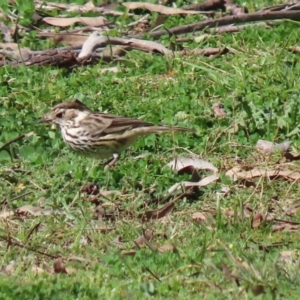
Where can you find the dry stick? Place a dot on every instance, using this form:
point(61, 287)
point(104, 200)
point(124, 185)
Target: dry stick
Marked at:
point(278, 7)
point(222, 29)
point(155, 276)
point(12, 242)
point(20, 196)
point(17, 170)
point(144, 18)
point(257, 16)
point(12, 141)
point(94, 41)
point(211, 5)
point(232, 28)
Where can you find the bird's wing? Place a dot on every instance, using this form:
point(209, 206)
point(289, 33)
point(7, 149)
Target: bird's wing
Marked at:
point(102, 124)
point(119, 124)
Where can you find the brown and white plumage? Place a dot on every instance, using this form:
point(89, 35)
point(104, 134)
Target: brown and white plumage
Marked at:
point(97, 134)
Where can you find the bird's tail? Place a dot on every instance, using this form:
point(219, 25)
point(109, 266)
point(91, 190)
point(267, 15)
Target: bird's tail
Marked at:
point(158, 129)
point(170, 128)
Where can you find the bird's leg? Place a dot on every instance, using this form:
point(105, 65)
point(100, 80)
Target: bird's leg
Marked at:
point(112, 161)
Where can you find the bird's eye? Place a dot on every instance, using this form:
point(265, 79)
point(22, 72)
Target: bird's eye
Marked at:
point(60, 115)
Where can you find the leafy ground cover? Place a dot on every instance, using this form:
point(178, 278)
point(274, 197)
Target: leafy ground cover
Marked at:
point(71, 230)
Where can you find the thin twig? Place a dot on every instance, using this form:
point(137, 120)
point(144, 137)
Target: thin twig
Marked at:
point(20, 196)
point(36, 185)
point(17, 170)
point(14, 243)
point(29, 134)
point(138, 21)
point(227, 20)
point(12, 141)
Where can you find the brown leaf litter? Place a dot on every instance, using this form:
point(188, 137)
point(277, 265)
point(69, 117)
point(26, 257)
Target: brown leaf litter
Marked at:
point(87, 21)
point(159, 8)
point(268, 147)
point(238, 172)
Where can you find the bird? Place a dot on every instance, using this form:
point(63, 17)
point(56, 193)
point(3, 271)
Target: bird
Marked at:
point(99, 135)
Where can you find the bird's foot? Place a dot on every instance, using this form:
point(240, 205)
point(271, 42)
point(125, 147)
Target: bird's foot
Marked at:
point(111, 161)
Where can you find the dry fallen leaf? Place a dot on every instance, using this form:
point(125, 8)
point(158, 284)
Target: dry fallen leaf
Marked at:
point(285, 227)
point(268, 147)
point(182, 162)
point(257, 220)
point(187, 184)
point(238, 172)
point(147, 236)
point(159, 8)
point(158, 213)
point(87, 21)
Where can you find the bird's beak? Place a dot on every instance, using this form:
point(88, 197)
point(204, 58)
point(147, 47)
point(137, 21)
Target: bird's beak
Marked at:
point(45, 119)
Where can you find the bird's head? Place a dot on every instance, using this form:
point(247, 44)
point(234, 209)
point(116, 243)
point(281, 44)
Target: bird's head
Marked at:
point(66, 113)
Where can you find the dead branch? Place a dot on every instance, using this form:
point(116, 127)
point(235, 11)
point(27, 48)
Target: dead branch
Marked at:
point(230, 29)
point(161, 9)
point(90, 52)
point(94, 41)
point(207, 5)
point(283, 6)
point(64, 58)
point(67, 58)
point(254, 17)
point(13, 242)
point(237, 28)
point(20, 196)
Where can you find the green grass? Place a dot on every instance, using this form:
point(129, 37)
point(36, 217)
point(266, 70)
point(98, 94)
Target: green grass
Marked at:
point(259, 85)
